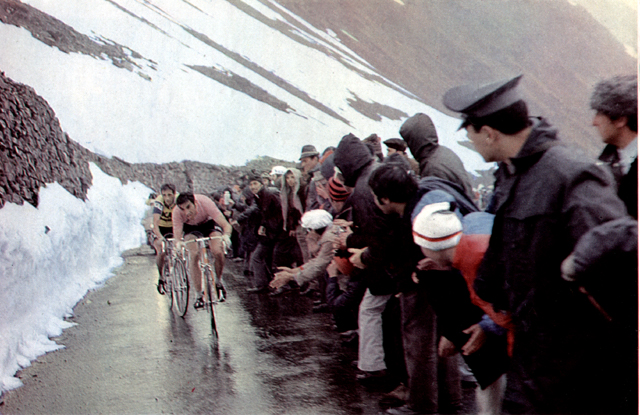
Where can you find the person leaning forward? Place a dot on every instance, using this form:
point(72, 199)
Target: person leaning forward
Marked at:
point(546, 197)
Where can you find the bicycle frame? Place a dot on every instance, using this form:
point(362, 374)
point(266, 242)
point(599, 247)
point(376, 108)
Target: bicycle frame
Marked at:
point(208, 276)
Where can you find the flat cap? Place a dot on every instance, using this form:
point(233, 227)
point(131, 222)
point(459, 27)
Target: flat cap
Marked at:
point(481, 100)
point(308, 151)
point(396, 144)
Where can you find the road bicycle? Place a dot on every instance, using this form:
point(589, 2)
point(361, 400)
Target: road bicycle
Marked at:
point(209, 281)
point(174, 273)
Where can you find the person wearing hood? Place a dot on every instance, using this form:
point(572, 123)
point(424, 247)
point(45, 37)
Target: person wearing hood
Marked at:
point(567, 357)
point(435, 160)
point(292, 201)
point(370, 226)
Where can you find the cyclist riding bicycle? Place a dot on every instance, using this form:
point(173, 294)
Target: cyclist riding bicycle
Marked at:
point(199, 214)
point(163, 225)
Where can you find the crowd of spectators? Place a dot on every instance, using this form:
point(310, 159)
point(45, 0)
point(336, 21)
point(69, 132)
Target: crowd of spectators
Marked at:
point(528, 285)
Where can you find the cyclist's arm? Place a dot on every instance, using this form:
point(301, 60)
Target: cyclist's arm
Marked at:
point(156, 225)
point(217, 216)
point(178, 222)
point(157, 211)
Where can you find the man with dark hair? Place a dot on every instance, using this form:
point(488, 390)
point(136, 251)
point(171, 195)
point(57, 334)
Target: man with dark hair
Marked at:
point(267, 210)
point(163, 225)
point(310, 163)
point(196, 215)
point(370, 227)
point(615, 101)
point(567, 358)
point(398, 194)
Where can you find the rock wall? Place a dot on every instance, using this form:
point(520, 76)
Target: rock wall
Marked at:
point(35, 151)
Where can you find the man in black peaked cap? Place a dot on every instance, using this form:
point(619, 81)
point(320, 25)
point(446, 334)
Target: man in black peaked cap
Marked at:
point(567, 357)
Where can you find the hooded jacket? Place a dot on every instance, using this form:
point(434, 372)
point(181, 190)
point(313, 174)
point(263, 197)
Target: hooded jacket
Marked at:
point(435, 160)
point(291, 214)
point(370, 225)
point(545, 200)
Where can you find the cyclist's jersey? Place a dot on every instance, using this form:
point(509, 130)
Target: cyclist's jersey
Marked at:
point(165, 212)
point(206, 210)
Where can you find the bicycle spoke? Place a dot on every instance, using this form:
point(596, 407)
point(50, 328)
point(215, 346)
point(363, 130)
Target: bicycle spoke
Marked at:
point(180, 287)
point(211, 295)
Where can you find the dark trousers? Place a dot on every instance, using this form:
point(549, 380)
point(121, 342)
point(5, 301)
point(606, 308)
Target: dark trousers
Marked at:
point(420, 341)
point(261, 264)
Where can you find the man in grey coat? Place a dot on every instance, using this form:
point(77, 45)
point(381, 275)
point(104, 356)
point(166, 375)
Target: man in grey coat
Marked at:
point(435, 160)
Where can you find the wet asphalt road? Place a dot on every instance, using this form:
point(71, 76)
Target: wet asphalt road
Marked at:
point(128, 353)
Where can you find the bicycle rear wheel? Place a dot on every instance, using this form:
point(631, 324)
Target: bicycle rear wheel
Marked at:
point(180, 287)
point(211, 296)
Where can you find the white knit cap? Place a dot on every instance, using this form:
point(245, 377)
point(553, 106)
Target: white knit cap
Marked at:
point(436, 227)
point(316, 219)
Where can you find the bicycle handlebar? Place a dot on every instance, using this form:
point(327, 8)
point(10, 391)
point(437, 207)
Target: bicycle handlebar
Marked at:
point(208, 238)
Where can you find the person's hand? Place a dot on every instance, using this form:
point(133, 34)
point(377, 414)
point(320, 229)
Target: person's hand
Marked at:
point(282, 277)
point(292, 233)
point(332, 269)
point(226, 240)
point(446, 348)
point(428, 264)
point(342, 223)
point(415, 278)
point(262, 231)
point(356, 258)
point(342, 237)
point(475, 342)
point(568, 268)
point(181, 245)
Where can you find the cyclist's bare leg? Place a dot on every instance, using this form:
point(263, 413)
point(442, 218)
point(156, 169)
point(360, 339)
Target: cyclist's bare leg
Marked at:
point(194, 267)
point(161, 255)
point(217, 249)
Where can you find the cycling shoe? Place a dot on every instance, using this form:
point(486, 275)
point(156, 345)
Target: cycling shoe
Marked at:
point(222, 293)
point(161, 287)
point(199, 303)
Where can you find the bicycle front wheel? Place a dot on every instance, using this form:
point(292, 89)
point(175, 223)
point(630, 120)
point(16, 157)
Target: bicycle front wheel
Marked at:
point(180, 287)
point(211, 295)
point(168, 281)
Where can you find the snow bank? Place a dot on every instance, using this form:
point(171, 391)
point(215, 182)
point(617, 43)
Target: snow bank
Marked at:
point(50, 257)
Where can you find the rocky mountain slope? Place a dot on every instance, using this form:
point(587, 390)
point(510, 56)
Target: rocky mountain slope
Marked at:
point(430, 46)
point(424, 47)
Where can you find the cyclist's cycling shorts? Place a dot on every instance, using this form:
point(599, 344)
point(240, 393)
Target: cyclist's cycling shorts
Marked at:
point(165, 230)
point(203, 229)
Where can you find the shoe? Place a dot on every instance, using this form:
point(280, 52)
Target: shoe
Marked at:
point(278, 292)
point(395, 398)
point(257, 290)
point(402, 410)
point(222, 293)
point(309, 292)
point(321, 308)
point(161, 288)
point(377, 378)
point(199, 303)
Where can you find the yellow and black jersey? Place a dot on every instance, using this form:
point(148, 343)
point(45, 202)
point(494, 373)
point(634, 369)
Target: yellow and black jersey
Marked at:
point(165, 211)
